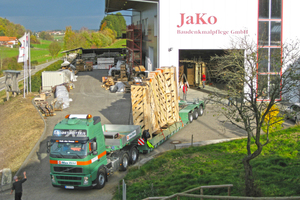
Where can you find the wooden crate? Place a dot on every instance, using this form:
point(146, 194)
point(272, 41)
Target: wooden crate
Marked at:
point(155, 102)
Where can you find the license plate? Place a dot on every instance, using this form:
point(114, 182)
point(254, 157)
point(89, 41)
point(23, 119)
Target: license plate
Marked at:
point(69, 187)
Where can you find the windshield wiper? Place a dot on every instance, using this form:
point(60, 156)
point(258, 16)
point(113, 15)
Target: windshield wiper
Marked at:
point(61, 156)
point(75, 154)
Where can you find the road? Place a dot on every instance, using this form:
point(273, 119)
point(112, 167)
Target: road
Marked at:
point(21, 76)
point(114, 108)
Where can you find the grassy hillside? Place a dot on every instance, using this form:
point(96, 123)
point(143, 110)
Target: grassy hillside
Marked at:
point(276, 170)
point(121, 43)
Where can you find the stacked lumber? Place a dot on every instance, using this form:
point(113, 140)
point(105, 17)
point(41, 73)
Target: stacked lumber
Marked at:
point(155, 102)
point(43, 105)
point(108, 82)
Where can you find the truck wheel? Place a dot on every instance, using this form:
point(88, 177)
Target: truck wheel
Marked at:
point(196, 113)
point(191, 118)
point(124, 162)
point(200, 111)
point(101, 179)
point(134, 155)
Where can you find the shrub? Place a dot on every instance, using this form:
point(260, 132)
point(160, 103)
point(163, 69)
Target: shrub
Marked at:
point(36, 80)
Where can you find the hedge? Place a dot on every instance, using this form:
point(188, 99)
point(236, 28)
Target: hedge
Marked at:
point(36, 79)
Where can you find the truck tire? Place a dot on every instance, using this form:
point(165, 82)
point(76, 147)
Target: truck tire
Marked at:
point(196, 113)
point(124, 161)
point(200, 111)
point(133, 155)
point(191, 118)
point(101, 177)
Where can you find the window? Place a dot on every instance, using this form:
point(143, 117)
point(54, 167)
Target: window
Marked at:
point(263, 33)
point(146, 26)
point(155, 26)
point(275, 33)
point(263, 64)
point(264, 9)
point(269, 50)
point(143, 25)
point(275, 60)
point(276, 9)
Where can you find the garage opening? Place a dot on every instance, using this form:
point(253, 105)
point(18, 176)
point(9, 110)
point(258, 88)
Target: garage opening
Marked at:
point(193, 63)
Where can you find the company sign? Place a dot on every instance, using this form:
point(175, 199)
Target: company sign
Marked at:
point(61, 162)
point(69, 133)
point(199, 18)
point(203, 24)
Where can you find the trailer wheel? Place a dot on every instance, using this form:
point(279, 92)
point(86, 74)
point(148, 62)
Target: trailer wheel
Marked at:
point(134, 155)
point(191, 118)
point(124, 162)
point(200, 111)
point(196, 113)
point(101, 178)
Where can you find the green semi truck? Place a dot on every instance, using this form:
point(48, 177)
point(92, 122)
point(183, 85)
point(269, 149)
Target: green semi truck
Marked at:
point(84, 153)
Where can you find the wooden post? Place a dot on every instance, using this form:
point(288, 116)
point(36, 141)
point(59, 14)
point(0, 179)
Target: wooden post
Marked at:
point(228, 190)
point(201, 192)
point(192, 140)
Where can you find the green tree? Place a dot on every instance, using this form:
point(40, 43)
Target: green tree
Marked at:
point(34, 40)
point(114, 22)
point(10, 29)
point(254, 95)
point(46, 36)
point(87, 37)
point(54, 48)
point(69, 35)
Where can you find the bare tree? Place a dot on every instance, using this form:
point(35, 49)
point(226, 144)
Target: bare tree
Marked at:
point(257, 79)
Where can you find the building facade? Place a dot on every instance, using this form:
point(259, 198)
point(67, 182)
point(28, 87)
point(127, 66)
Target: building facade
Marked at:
point(200, 28)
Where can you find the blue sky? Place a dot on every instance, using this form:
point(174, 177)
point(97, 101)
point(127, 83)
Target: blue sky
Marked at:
point(42, 15)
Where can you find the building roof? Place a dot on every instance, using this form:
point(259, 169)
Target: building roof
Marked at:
point(6, 38)
point(117, 5)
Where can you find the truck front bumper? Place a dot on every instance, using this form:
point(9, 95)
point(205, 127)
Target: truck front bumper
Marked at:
point(72, 181)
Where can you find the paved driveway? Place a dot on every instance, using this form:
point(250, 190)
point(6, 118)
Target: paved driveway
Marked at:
point(89, 97)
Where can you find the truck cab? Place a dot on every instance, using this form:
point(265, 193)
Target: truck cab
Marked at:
point(83, 153)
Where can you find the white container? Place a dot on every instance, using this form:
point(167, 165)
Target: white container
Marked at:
point(52, 78)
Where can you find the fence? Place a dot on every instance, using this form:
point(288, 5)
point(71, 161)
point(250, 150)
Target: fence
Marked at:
point(195, 196)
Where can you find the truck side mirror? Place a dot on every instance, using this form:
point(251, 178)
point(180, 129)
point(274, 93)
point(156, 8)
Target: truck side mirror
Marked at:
point(48, 146)
point(94, 146)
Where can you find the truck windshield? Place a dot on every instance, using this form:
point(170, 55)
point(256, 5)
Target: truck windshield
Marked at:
point(68, 150)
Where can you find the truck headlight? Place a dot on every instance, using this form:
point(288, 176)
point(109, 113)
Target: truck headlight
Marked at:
point(85, 180)
point(52, 179)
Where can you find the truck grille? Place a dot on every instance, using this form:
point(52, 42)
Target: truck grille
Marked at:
point(68, 177)
point(68, 183)
point(68, 169)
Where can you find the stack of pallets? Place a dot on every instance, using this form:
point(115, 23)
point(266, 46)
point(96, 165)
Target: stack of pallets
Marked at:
point(155, 101)
point(123, 74)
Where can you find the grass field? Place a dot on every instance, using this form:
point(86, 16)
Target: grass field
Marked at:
point(39, 52)
point(276, 170)
point(121, 43)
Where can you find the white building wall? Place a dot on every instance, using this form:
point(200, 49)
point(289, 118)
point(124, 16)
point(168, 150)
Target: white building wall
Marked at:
point(181, 28)
point(291, 28)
